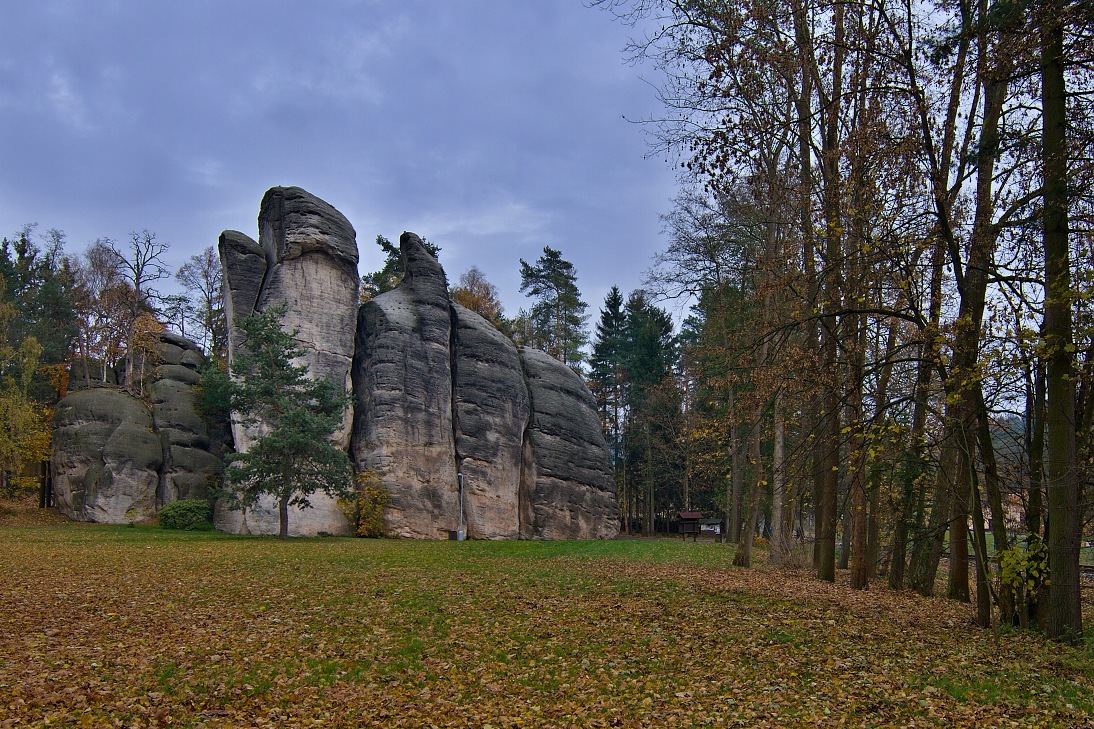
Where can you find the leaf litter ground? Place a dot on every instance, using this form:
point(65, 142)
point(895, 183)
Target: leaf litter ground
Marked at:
point(109, 626)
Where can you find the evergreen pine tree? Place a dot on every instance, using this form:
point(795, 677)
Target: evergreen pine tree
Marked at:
point(558, 315)
point(294, 457)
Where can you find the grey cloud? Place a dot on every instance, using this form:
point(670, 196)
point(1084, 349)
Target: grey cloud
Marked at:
point(496, 123)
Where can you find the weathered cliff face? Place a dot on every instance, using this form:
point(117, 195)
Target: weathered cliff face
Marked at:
point(116, 458)
point(492, 411)
point(311, 254)
point(243, 265)
point(188, 465)
point(570, 476)
point(305, 260)
point(440, 393)
point(402, 383)
point(106, 457)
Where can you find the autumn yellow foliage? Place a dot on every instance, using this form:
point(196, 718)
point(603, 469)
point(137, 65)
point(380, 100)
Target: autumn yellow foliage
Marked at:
point(25, 429)
point(365, 507)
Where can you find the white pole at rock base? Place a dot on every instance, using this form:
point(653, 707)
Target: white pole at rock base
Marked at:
point(461, 532)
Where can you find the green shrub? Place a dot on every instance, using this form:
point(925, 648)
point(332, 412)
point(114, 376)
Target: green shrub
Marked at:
point(365, 508)
point(1025, 568)
point(188, 515)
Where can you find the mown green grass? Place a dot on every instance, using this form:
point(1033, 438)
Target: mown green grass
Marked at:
point(152, 628)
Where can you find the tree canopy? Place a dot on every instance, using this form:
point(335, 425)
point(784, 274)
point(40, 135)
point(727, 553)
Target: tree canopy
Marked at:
point(556, 321)
point(480, 296)
point(884, 230)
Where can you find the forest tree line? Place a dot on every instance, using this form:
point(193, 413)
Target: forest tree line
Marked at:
point(78, 320)
point(884, 223)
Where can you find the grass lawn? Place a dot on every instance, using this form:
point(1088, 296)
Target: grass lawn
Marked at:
point(104, 626)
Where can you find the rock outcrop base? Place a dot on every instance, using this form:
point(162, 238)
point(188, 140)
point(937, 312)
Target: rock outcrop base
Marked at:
point(118, 458)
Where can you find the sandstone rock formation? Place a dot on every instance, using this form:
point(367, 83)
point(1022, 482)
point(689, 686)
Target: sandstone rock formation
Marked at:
point(440, 394)
point(492, 411)
point(311, 254)
point(570, 476)
point(116, 459)
point(243, 264)
point(402, 380)
point(106, 457)
point(440, 397)
point(462, 428)
point(188, 465)
point(305, 260)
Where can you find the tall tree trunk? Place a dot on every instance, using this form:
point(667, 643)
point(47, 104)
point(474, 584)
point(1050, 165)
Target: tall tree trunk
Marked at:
point(915, 458)
point(624, 487)
point(743, 557)
point(1035, 418)
point(958, 583)
point(844, 560)
point(780, 541)
point(815, 421)
point(965, 379)
point(1065, 621)
point(860, 504)
point(939, 156)
point(980, 545)
point(857, 288)
point(899, 548)
point(833, 299)
point(856, 455)
point(651, 519)
point(873, 532)
point(881, 400)
point(826, 483)
point(283, 517)
point(928, 549)
point(733, 488)
point(687, 463)
point(995, 504)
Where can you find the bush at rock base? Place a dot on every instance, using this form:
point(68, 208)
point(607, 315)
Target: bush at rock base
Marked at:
point(187, 515)
point(365, 508)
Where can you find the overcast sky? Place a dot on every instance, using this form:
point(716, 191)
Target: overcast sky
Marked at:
point(490, 127)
